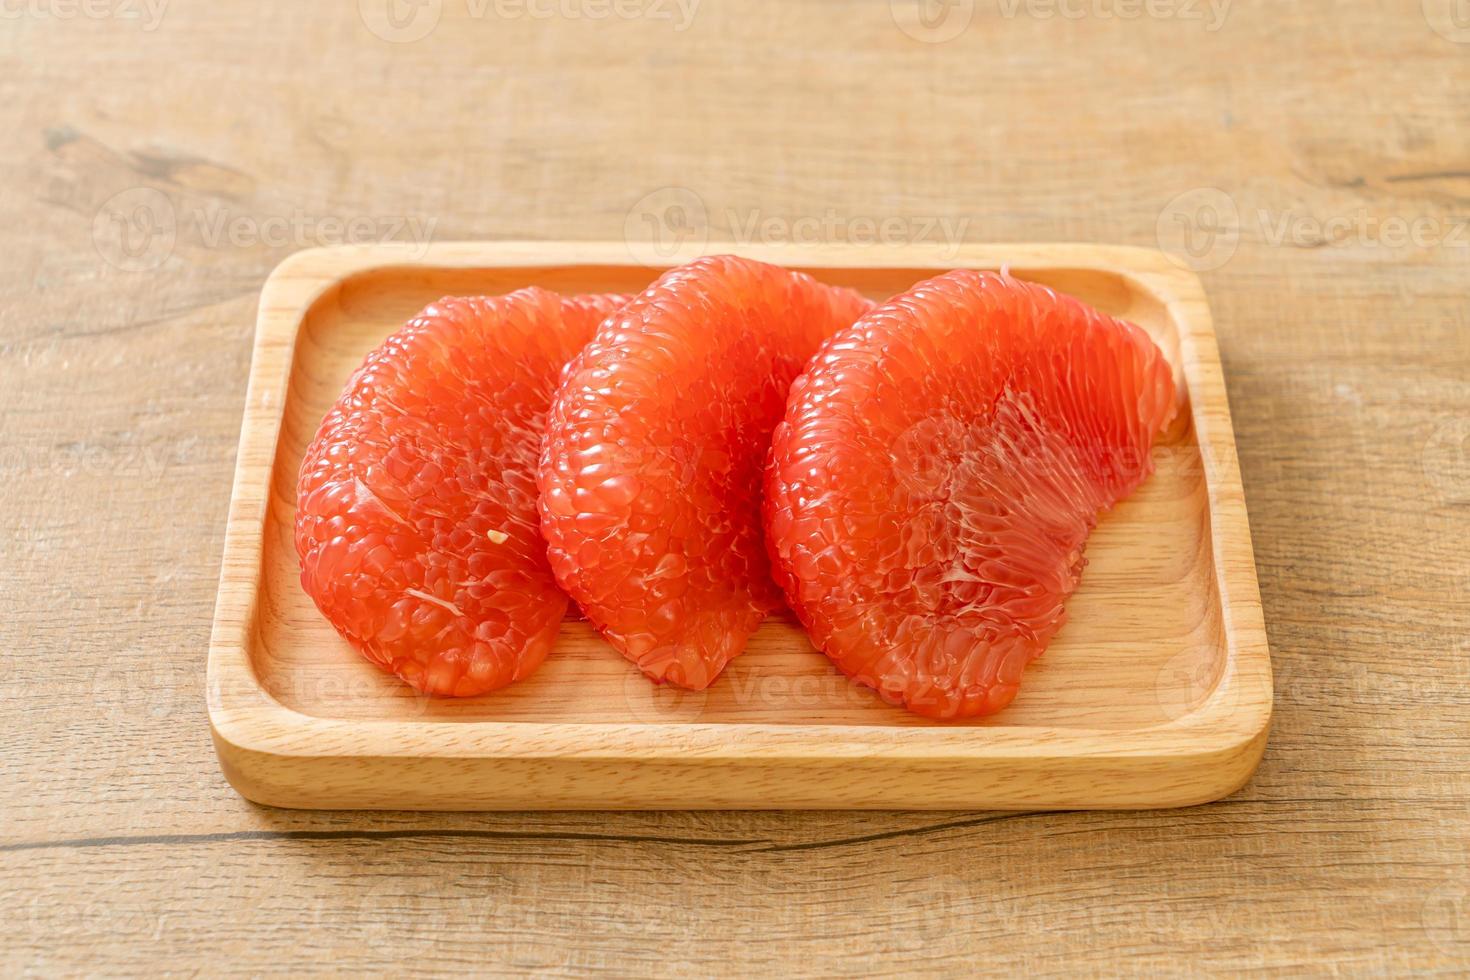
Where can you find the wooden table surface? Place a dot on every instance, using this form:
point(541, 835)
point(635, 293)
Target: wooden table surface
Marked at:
point(1311, 159)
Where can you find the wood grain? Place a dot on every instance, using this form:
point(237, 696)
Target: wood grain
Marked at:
point(1346, 351)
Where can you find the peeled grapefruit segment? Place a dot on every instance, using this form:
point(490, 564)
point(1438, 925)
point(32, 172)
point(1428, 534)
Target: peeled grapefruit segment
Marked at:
point(650, 474)
point(416, 515)
point(940, 466)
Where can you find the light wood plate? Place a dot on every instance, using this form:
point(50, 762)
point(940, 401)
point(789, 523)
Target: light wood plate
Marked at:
point(1156, 693)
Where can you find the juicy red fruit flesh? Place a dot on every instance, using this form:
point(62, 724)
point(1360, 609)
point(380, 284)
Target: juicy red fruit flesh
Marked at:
point(940, 466)
point(650, 476)
point(416, 519)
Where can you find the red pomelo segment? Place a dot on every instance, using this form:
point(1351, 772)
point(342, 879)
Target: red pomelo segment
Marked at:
point(651, 473)
point(941, 464)
point(416, 517)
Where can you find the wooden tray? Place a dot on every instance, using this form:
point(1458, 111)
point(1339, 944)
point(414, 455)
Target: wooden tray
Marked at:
point(1157, 692)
